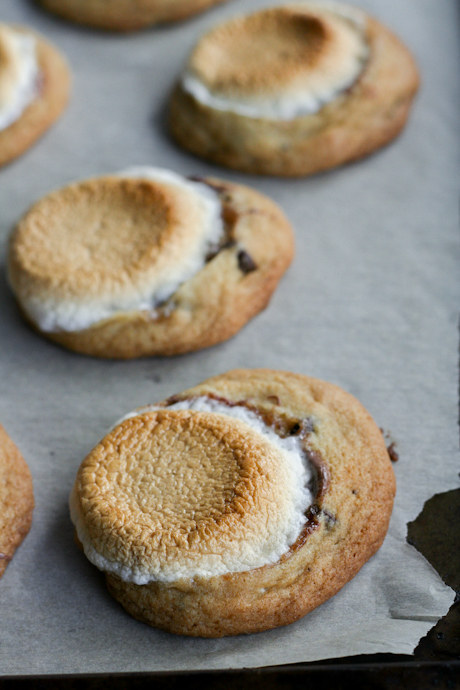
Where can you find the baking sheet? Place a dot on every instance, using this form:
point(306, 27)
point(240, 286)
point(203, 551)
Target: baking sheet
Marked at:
point(370, 303)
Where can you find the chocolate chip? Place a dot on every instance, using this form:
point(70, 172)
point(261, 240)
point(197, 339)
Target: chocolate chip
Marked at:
point(173, 399)
point(329, 518)
point(213, 251)
point(295, 428)
point(313, 510)
point(245, 262)
point(216, 248)
point(219, 188)
point(229, 216)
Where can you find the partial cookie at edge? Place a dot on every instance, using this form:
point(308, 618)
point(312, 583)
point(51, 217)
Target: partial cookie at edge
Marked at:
point(16, 499)
point(45, 109)
point(124, 15)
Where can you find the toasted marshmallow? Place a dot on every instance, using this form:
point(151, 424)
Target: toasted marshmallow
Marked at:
point(19, 73)
point(110, 246)
point(204, 489)
point(280, 63)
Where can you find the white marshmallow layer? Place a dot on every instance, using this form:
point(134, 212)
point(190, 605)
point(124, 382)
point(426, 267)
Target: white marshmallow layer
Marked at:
point(19, 74)
point(56, 314)
point(274, 540)
point(306, 96)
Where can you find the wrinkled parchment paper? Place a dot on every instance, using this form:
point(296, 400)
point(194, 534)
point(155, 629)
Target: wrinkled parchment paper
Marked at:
point(370, 303)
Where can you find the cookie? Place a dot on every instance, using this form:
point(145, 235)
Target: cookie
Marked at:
point(147, 262)
point(126, 15)
point(34, 89)
point(293, 90)
point(236, 506)
point(16, 499)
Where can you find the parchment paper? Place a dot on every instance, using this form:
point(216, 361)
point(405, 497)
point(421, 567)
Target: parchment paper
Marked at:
point(370, 303)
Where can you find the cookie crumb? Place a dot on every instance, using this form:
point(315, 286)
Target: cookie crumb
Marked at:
point(392, 452)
